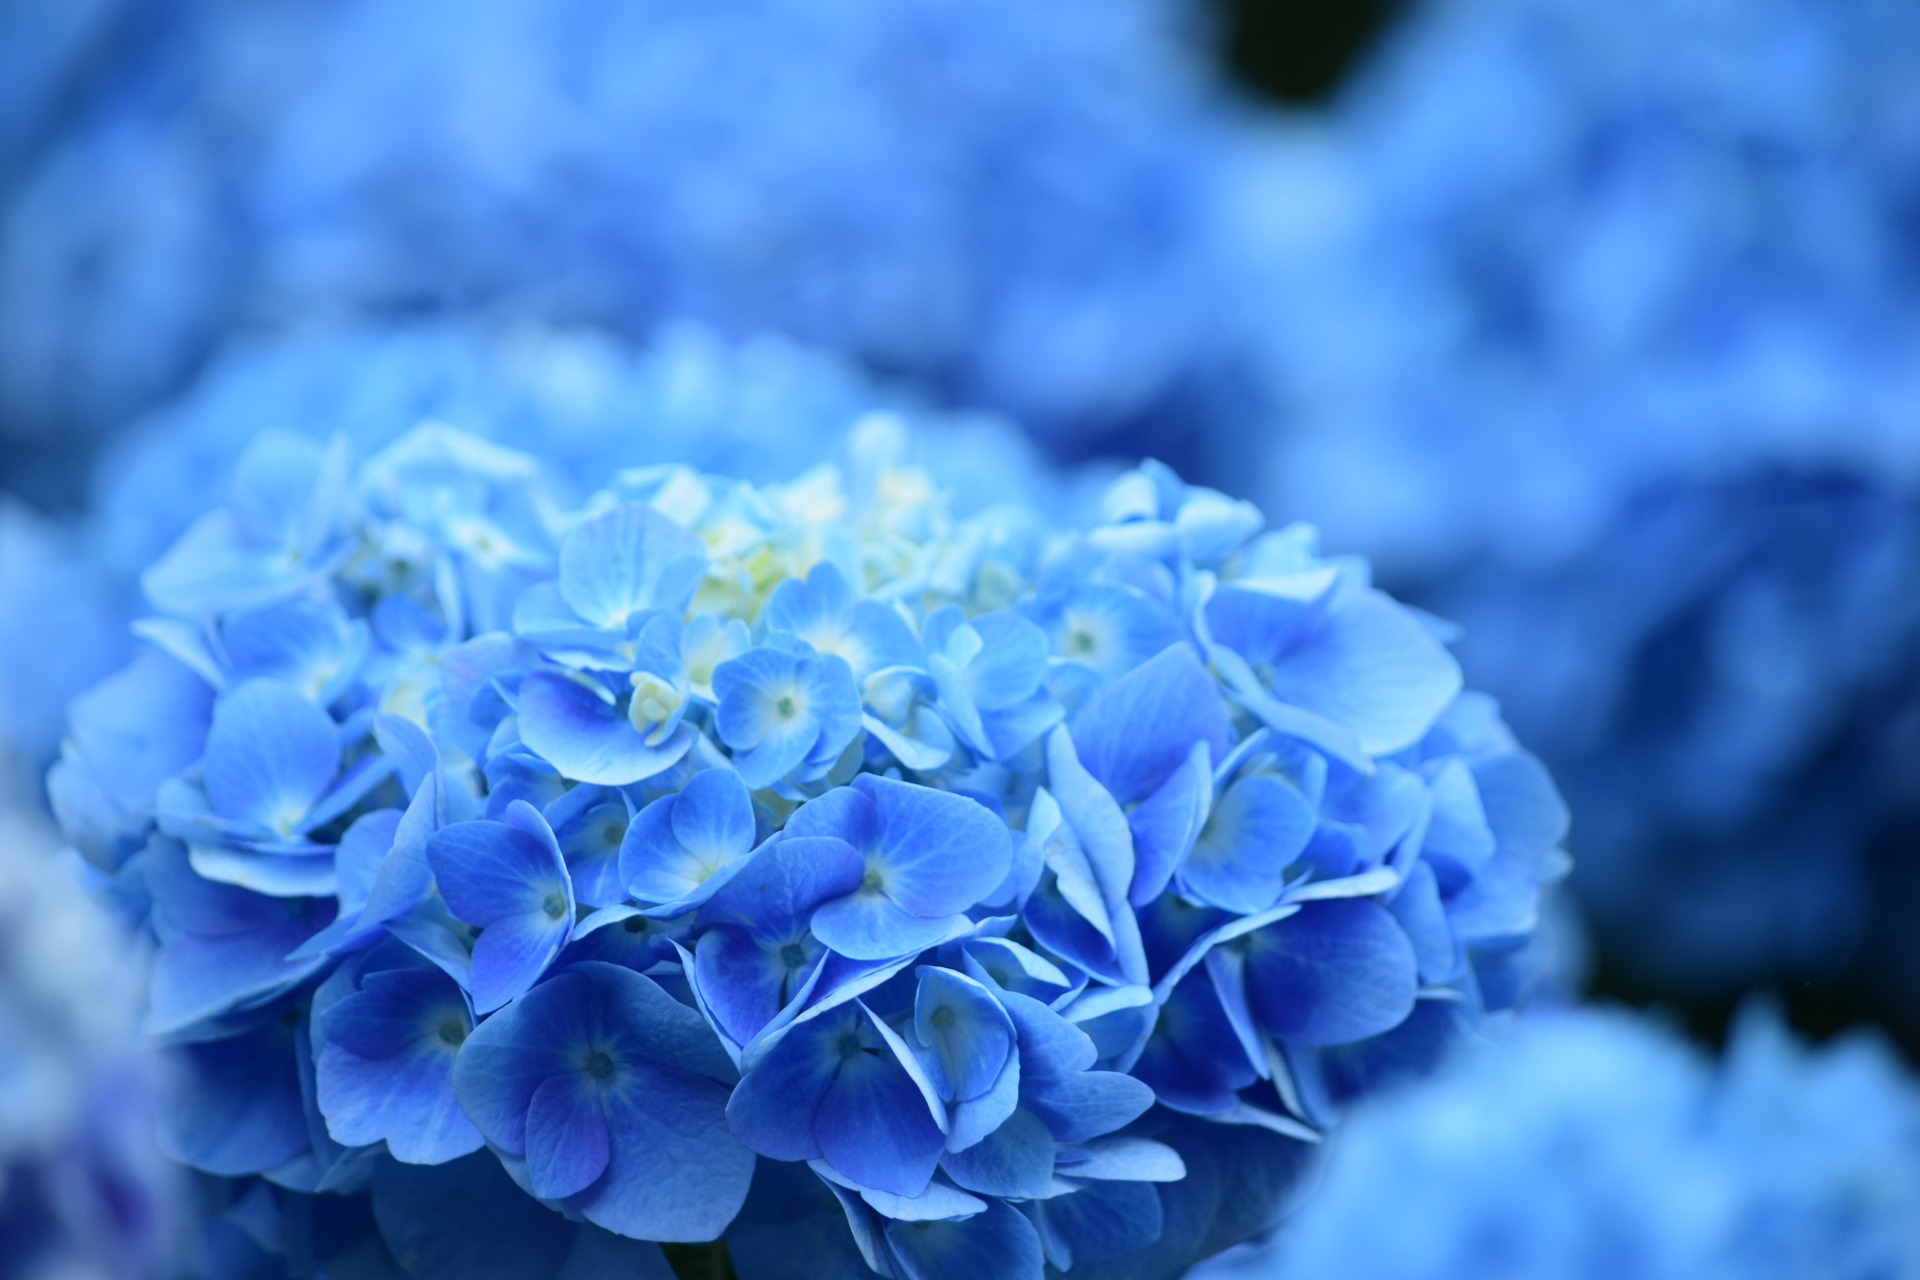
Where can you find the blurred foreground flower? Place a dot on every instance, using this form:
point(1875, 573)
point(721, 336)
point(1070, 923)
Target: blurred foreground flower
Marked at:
point(800, 864)
point(1605, 342)
point(1597, 1144)
point(84, 1192)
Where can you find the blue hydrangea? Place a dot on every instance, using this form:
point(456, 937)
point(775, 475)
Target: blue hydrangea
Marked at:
point(589, 403)
point(1596, 1143)
point(876, 888)
point(86, 1191)
point(1025, 206)
point(1646, 277)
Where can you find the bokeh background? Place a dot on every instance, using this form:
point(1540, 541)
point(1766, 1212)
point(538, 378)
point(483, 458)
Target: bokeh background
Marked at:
point(1597, 327)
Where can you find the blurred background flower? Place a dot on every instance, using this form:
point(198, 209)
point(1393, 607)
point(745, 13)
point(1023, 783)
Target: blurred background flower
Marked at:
point(1598, 1143)
point(1598, 327)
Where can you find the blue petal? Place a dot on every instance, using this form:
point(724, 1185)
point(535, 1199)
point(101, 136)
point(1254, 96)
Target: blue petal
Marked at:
point(1194, 1060)
point(1252, 835)
point(937, 853)
point(270, 755)
point(306, 644)
point(1088, 1104)
point(1372, 667)
point(1133, 734)
point(680, 843)
point(676, 1172)
point(772, 1109)
point(1337, 971)
point(590, 831)
point(776, 892)
point(967, 1032)
point(407, 1102)
point(489, 870)
point(1011, 662)
point(744, 982)
point(466, 1220)
point(1104, 1219)
point(510, 955)
point(222, 947)
point(567, 1140)
point(1166, 824)
point(586, 737)
point(868, 925)
point(396, 1011)
point(873, 1124)
point(629, 559)
point(235, 1106)
point(998, 1243)
point(1016, 1159)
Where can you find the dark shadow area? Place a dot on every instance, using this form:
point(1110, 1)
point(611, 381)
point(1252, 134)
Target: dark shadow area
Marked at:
point(1298, 51)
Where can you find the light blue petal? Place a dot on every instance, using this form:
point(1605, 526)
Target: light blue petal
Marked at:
point(628, 559)
point(1372, 667)
point(1252, 835)
point(868, 925)
point(938, 853)
point(270, 755)
point(1133, 734)
point(586, 737)
point(1011, 662)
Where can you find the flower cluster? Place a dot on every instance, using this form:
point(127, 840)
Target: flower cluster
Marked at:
point(1598, 1144)
point(1575, 256)
point(802, 862)
point(83, 1191)
point(591, 404)
point(1024, 206)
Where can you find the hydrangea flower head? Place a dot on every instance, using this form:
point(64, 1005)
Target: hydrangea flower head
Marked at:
point(805, 865)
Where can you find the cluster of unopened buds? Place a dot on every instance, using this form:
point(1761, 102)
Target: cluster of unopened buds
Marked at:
point(942, 880)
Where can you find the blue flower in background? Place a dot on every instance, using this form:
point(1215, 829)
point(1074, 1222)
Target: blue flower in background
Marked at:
point(1607, 354)
point(1595, 1141)
point(772, 864)
point(1030, 210)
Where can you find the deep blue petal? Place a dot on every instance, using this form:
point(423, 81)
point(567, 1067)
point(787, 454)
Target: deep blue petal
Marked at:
point(1337, 971)
point(998, 1243)
point(1016, 1159)
point(873, 1125)
point(567, 1139)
